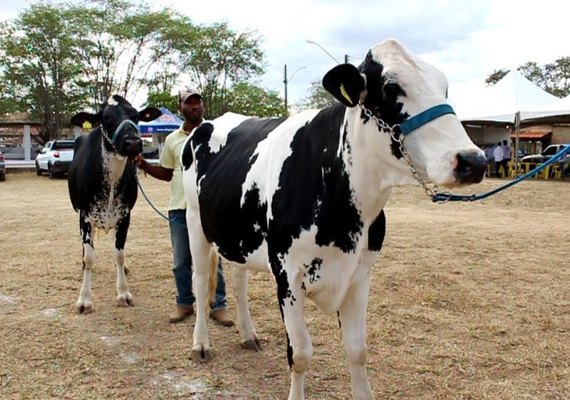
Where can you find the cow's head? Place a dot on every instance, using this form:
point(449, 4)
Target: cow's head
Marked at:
point(391, 87)
point(118, 121)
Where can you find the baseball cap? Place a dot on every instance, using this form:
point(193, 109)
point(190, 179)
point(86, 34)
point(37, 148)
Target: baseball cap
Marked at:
point(186, 92)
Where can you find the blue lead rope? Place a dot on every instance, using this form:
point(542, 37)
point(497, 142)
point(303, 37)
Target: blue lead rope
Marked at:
point(444, 197)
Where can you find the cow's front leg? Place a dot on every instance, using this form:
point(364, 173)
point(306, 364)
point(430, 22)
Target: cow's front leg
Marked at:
point(124, 297)
point(249, 339)
point(352, 319)
point(299, 347)
point(84, 304)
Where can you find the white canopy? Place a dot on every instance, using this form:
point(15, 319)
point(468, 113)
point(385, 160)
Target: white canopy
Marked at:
point(500, 102)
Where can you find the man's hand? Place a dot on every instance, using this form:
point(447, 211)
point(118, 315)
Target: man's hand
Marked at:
point(141, 163)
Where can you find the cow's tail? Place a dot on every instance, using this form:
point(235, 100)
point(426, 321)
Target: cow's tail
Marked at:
point(213, 281)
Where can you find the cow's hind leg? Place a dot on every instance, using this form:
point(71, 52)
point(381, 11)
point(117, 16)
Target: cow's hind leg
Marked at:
point(249, 339)
point(352, 318)
point(203, 265)
point(84, 304)
point(124, 297)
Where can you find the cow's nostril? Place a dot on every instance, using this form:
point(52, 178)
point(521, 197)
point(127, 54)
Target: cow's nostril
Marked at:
point(471, 167)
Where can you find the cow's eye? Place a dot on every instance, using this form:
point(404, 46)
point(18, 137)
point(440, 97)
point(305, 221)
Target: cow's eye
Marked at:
point(392, 89)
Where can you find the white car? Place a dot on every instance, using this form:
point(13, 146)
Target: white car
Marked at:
point(55, 157)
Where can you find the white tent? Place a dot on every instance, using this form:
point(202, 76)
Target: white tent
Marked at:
point(499, 103)
point(559, 105)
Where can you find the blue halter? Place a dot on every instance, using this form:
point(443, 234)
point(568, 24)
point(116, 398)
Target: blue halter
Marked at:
point(413, 123)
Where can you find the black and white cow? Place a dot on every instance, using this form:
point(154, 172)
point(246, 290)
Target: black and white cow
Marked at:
point(303, 197)
point(103, 187)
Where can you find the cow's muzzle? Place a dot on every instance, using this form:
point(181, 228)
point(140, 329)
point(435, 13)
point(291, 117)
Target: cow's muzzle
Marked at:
point(471, 167)
point(133, 146)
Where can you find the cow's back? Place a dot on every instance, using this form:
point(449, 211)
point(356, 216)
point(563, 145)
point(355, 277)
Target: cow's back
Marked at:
point(274, 177)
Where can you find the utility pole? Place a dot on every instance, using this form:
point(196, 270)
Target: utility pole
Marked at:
point(286, 80)
point(346, 58)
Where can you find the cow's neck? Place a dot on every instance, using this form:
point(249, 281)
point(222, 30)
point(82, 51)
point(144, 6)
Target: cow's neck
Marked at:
point(374, 169)
point(113, 165)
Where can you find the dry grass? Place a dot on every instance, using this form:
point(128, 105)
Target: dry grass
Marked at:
point(469, 301)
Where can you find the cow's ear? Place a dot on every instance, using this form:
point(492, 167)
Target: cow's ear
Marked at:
point(149, 114)
point(81, 118)
point(345, 83)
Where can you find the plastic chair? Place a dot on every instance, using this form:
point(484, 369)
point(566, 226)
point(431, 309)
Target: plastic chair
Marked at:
point(556, 172)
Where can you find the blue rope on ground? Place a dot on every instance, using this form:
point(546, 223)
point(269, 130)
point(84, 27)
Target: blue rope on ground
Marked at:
point(444, 197)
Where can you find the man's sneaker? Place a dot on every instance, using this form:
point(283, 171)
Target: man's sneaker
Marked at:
point(222, 317)
point(181, 313)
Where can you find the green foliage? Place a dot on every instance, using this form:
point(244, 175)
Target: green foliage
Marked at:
point(38, 64)
point(217, 58)
point(318, 97)
point(245, 98)
point(162, 99)
point(496, 76)
point(60, 58)
point(552, 77)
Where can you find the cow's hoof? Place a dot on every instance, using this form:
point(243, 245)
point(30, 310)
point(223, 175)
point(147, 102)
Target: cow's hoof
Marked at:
point(84, 307)
point(202, 355)
point(252, 344)
point(125, 302)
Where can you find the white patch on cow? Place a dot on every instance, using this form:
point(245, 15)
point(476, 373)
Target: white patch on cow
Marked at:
point(111, 209)
point(112, 101)
point(224, 124)
point(271, 153)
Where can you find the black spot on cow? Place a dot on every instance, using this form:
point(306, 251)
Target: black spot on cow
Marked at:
point(314, 187)
point(377, 232)
point(237, 230)
point(312, 270)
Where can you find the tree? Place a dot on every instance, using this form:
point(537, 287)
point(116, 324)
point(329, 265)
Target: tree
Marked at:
point(118, 44)
point(245, 98)
point(216, 58)
point(38, 64)
point(318, 97)
point(496, 76)
point(553, 77)
point(162, 99)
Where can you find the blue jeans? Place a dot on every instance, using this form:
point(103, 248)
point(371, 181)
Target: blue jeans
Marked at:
point(183, 264)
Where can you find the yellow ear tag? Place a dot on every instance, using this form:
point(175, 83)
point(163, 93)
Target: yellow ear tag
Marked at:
point(344, 94)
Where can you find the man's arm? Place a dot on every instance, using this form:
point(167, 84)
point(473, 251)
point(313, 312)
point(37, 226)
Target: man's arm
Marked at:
point(156, 171)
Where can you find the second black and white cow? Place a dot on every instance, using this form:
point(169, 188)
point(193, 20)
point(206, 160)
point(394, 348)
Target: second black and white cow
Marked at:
point(103, 187)
point(303, 197)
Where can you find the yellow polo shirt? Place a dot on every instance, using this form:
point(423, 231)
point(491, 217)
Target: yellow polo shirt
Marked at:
point(170, 158)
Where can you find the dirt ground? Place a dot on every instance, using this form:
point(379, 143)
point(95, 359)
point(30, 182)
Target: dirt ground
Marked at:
point(468, 301)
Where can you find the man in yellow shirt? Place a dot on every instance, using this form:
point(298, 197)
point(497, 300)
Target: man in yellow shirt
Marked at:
point(192, 108)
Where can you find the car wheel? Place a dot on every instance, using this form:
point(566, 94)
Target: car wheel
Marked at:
point(2, 176)
point(38, 170)
point(51, 175)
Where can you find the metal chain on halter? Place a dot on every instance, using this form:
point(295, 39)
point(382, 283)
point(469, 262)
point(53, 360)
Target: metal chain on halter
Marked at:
point(400, 140)
point(108, 139)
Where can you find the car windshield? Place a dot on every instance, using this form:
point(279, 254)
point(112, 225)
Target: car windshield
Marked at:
point(61, 145)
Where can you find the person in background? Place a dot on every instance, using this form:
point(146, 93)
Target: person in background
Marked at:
point(506, 156)
point(170, 169)
point(498, 156)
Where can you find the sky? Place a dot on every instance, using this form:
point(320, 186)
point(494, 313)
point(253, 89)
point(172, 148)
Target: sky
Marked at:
point(466, 42)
